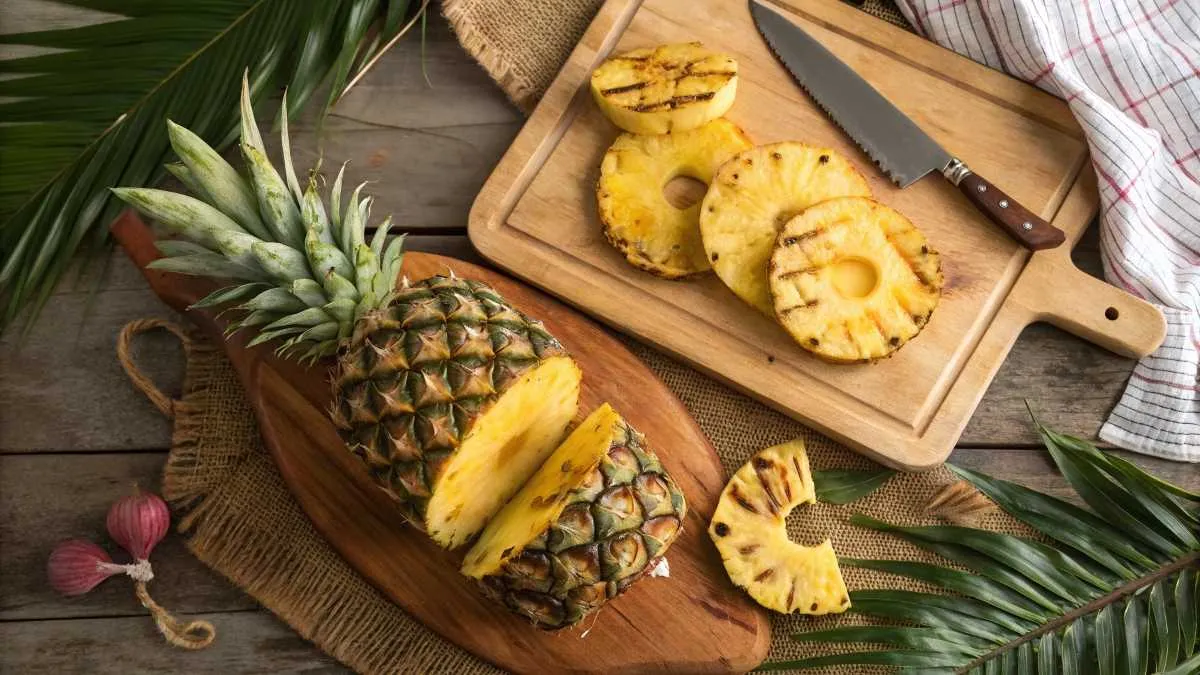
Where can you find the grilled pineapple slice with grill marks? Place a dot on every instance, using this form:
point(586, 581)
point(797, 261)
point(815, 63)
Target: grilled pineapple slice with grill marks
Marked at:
point(593, 520)
point(751, 198)
point(853, 280)
point(664, 89)
point(652, 233)
point(750, 530)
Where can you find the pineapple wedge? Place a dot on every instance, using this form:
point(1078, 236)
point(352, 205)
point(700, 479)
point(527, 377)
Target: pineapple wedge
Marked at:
point(593, 520)
point(653, 234)
point(853, 280)
point(664, 89)
point(750, 530)
point(452, 398)
point(751, 198)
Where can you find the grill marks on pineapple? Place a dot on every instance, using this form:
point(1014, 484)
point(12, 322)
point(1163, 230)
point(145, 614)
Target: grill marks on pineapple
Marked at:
point(841, 325)
point(754, 546)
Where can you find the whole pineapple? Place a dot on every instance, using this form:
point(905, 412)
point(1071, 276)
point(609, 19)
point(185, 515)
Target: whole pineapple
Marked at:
point(593, 520)
point(450, 396)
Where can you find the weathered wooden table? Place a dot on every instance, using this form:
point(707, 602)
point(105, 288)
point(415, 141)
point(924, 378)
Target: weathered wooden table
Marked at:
point(74, 435)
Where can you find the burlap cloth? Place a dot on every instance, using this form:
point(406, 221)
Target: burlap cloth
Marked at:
point(240, 520)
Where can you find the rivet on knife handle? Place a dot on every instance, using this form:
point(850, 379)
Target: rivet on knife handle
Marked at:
point(1019, 222)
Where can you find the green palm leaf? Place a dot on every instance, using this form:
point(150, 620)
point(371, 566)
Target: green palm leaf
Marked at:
point(76, 122)
point(1116, 591)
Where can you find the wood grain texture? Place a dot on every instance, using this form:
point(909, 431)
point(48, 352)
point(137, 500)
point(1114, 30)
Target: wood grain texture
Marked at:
point(247, 642)
point(48, 498)
point(536, 217)
point(725, 630)
point(65, 366)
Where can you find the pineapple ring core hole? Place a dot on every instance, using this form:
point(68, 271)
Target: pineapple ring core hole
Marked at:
point(855, 277)
point(683, 191)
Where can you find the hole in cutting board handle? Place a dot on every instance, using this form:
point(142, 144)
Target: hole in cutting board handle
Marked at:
point(1111, 314)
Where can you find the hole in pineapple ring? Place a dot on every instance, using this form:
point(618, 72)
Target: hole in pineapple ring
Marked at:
point(683, 192)
point(854, 277)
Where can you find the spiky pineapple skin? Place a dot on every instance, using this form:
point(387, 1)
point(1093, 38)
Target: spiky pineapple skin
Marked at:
point(618, 523)
point(417, 374)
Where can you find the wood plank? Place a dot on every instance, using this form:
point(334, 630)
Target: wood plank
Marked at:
point(247, 642)
point(426, 145)
point(61, 388)
point(1032, 467)
point(1071, 383)
point(48, 498)
point(189, 588)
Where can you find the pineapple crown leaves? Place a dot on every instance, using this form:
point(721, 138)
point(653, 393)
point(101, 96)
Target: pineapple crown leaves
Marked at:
point(1113, 587)
point(304, 275)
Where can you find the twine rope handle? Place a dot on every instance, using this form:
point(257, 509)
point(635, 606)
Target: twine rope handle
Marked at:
point(164, 403)
point(192, 635)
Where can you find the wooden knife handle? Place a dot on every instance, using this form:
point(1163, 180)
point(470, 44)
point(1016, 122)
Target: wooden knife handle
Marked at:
point(1019, 222)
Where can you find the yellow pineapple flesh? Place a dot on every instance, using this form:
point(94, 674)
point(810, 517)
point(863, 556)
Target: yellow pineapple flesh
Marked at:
point(750, 530)
point(853, 280)
point(664, 89)
point(652, 233)
point(502, 449)
point(593, 520)
point(751, 198)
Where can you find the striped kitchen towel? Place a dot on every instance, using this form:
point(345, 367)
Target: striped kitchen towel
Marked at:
point(1130, 70)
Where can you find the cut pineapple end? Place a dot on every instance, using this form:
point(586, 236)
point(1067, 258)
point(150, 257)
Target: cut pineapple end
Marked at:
point(506, 445)
point(749, 527)
point(542, 500)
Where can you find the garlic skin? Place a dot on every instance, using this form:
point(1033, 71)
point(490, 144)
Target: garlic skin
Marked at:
point(138, 522)
point(77, 566)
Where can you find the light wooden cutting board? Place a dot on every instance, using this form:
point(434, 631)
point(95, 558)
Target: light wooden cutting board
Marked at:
point(536, 216)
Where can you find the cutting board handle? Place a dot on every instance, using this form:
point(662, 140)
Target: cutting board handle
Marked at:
point(1054, 290)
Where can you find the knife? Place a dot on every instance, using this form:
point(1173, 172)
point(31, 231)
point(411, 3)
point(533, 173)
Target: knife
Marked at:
point(888, 136)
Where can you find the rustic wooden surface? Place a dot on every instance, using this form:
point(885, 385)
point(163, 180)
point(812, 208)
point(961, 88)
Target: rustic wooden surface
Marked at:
point(363, 525)
point(536, 217)
point(74, 434)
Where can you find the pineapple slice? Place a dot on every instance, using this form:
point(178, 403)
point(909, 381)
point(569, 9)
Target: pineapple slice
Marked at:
point(592, 521)
point(750, 530)
point(653, 234)
point(751, 198)
point(853, 280)
point(506, 445)
point(664, 89)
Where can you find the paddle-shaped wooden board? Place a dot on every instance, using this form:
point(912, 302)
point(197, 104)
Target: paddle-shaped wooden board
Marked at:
point(536, 216)
point(695, 621)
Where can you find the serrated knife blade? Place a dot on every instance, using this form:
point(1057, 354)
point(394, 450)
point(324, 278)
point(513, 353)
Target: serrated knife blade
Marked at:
point(889, 137)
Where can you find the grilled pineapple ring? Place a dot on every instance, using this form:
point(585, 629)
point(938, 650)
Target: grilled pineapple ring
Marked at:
point(750, 530)
point(653, 234)
point(664, 89)
point(753, 195)
point(853, 280)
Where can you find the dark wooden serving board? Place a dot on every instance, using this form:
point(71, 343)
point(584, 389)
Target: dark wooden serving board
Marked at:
point(695, 621)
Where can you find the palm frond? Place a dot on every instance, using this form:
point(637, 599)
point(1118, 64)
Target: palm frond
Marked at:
point(1115, 591)
point(76, 122)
